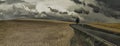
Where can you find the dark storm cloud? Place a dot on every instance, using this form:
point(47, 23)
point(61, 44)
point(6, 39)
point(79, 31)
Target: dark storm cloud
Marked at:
point(2, 2)
point(77, 1)
point(113, 4)
point(96, 9)
point(110, 8)
point(13, 1)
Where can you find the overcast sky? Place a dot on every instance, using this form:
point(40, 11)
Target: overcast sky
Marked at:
point(64, 5)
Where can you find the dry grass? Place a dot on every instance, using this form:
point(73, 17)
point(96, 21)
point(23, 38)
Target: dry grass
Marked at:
point(113, 27)
point(35, 33)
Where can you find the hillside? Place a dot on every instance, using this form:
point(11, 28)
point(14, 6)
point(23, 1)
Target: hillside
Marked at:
point(35, 33)
point(111, 27)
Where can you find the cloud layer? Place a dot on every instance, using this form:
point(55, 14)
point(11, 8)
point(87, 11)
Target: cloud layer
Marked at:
point(87, 10)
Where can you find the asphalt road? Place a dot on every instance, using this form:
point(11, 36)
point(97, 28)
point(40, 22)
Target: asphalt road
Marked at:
point(106, 36)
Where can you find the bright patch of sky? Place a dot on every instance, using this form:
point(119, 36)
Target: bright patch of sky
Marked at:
point(61, 5)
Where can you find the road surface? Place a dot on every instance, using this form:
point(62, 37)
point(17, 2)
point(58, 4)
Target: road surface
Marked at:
point(106, 36)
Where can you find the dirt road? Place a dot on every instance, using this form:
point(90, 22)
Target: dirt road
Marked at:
point(35, 33)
